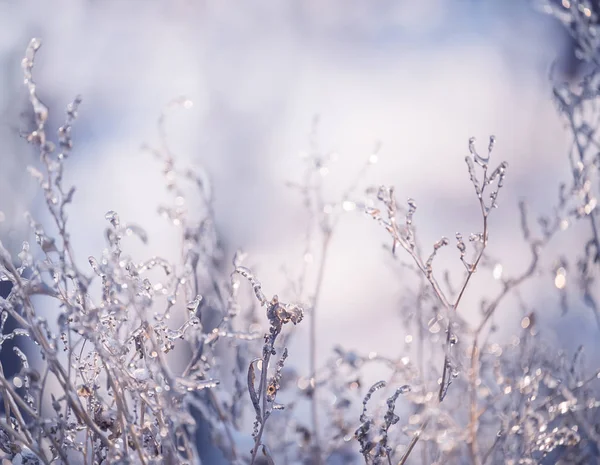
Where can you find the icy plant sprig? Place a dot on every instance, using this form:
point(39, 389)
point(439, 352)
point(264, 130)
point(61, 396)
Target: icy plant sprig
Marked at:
point(404, 236)
point(263, 398)
point(374, 447)
point(117, 398)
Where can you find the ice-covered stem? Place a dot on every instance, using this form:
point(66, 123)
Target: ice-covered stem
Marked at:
point(497, 176)
point(40, 110)
point(405, 237)
point(364, 435)
point(52, 184)
point(390, 419)
point(55, 195)
point(437, 246)
point(263, 398)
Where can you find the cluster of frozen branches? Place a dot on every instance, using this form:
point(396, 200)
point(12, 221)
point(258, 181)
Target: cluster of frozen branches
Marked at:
point(100, 386)
point(97, 385)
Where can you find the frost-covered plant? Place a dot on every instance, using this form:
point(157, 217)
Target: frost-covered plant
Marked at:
point(104, 390)
point(98, 385)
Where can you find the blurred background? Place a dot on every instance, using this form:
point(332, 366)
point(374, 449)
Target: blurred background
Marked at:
point(419, 77)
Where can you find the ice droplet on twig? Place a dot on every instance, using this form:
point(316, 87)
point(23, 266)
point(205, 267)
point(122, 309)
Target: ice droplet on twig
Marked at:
point(113, 217)
point(193, 305)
